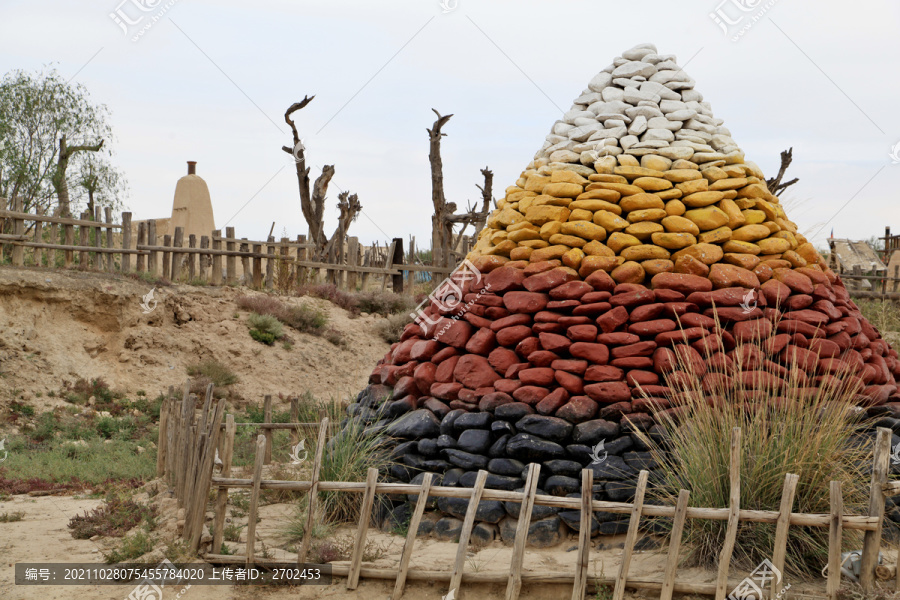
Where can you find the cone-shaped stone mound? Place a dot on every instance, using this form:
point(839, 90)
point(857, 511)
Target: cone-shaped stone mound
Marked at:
point(638, 252)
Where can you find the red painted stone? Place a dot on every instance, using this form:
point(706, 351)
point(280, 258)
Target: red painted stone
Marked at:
point(444, 373)
point(489, 402)
point(476, 321)
point(570, 321)
point(777, 343)
point(596, 354)
point(554, 342)
point(652, 328)
point(541, 267)
point(444, 354)
point(525, 302)
point(798, 282)
point(474, 371)
point(798, 302)
point(708, 345)
point(547, 316)
point(402, 353)
point(634, 298)
point(761, 380)
point(792, 326)
point(680, 336)
point(424, 349)
point(507, 386)
point(546, 281)
point(424, 376)
point(734, 314)
point(572, 290)
point(541, 376)
point(646, 312)
point(589, 310)
point(667, 295)
point(604, 373)
point(496, 312)
point(824, 292)
point(696, 320)
point(510, 336)
point(505, 279)
point(456, 334)
point(633, 362)
point(664, 360)
point(552, 401)
point(824, 348)
point(638, 377)
point(445, 391)
point(562, 304)
point(570, 365)
point(608, 392)
point(673, 309)
point(513, 371)
point(500, 359)
point(548, 328)
point(571, 383)
point(542, 358)
point(467, 395)
point(600, 281)
point(813, 317)
point(745, 331)
point(582, 333)
point(681, 282)
point(748, 356)
point(592, 297)
point(530, 394)
point(578, 410)
point(617, 338)
point(482, 342)
point(775, 292)
point(527, 346)
point(510, 321)
point(612, 319)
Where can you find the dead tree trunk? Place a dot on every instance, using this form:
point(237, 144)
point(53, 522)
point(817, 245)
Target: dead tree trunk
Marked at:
point(59, 178)
point(349, 207)
point(440, 240)
point(312, 202)
point(774, 184)
point(487, 195)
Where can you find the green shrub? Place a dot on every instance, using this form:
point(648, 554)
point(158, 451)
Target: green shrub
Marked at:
point(305, 318)
point(111, 519)
point(265, 324)
point(133, 546)
point(217, 373)
point(262, 336)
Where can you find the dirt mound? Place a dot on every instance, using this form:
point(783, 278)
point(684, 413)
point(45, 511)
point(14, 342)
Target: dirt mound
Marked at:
point(58, 326)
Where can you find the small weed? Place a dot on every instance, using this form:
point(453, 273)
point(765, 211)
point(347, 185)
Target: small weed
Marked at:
point(11, 517)
point(287, 345)
point(391, 328)
point(341, 548)
point(225, 550)
point(232, 532)
point(263, 337)
point(265, 324)
point(219, 374)
point(111, 519)
point(133, 546)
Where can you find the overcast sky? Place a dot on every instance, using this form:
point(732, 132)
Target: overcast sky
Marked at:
point(210, 81)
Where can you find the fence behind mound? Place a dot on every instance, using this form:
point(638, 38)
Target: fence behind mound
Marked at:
point(97, 242)
point(190, 442)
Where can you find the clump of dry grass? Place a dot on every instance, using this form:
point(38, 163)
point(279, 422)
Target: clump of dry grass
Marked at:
point(884, 315)
point(788, 426)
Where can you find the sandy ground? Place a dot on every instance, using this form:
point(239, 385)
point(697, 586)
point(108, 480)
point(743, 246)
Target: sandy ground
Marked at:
point(57, 326)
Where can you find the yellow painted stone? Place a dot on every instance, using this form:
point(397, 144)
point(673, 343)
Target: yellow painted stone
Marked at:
point(550, 228)
point(644, 230)
point(681, 175)
point(507, 217)
point(754, 190)
point(522, 225)
point(549, 253)
point(676, 224)
point(734, 171)
point(498, 236)
point(486, 264)
point(605, 164)
point(517, 196)
point(570, 241)
point(544, 200)
point(649, 214)
point(544, 214)
point(808, 252)
point(692, 186)
point(600, 194)
point(750, 233)
point(589, 264)
point(503, 248)
point(745, 203)
point(525, 203)
point(745, 261)
point(772, 225)
point(536, 244)
point(730, 194)
point(732, 183)
point(675, 208)
point(657, 163)
point(716, 236)
point(786, 225)
point(652, 184)
point(789, 236)
point(773, 245)
point(566, 176)
point(735, 216)
point(634, 172)
point(607, 177)
point(523, 234)
point(701, 199)
point(584, 229)
point(673, 241)
point(641, 202)
point(618, 241)
point(520, 253)
point(562, 190)
point(753, 217)
point(768, 208)
point(573, 258)
point(595, 248)
point(625, 189)
point(707, 218)
point(628, 272)
point(595, 205)
point(644, 252)
point(579, 214)
point(795, 259)
point(671, 194)
point(657, 265)
point(536, 183)
point(712, 174)
point(708, 254)
point(738, 247)
point(609, 221)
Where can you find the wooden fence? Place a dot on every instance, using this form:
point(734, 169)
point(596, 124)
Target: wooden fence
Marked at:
point(95, 242)
point(186, 462)
point(880, 286)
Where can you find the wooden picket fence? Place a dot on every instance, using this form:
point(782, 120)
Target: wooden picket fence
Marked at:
point(211, 260)
point(188, 443)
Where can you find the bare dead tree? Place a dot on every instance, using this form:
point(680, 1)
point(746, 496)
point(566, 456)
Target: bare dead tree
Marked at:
point(312, 203)
point(774, 184)
point(59, 178)
point(349, 208)
point(444, 218)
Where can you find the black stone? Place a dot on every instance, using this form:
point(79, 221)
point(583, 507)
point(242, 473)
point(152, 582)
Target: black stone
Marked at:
point(498, 448)
point(549, 428)
point(620, 491)
point(590, 433)
point(640, 461)
point(428, 447)
point(435, 465)
point(448, 529)
point(501, 427)
point(466, 460)
point(572, 519)
point(613, 527)
point(451, 477)
point(445, 441)
point(530, 448)
point(489, 511)
point(542, 533)
point(404, 448)
point(476, 441)
point(603, 516)
point(398, 518)
point(505, 466)
point(538, 511)
point(413, 460)
point(513, 411)
point(647, 543)
point(559, 485)
point(374, 394)
point(449, 419)
point(494, 482)
point(417, 480)
point(612, 468)
point(580, 453)
point(415, 425)
point(483, 534)
point(441, 410)
point(394, 409)
point(639, 443)
point(569, 468)
point(472, 420)
point(400, 472)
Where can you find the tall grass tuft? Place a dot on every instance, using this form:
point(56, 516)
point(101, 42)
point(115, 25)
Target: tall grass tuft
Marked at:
point(788, 426)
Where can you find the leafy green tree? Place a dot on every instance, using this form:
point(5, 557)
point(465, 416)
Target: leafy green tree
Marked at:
point(47, 126)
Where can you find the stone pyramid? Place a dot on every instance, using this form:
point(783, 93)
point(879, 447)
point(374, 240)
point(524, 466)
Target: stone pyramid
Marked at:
point(639, 239)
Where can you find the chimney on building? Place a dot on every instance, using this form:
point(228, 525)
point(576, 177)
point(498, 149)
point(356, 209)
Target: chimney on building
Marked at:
point(192, 167)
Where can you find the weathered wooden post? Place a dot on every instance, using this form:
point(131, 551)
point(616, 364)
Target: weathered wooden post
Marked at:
point(245, 261)
point(217, 258)
point(18, 251)
point(153, 257)
point(352, 261)
point(257, 266)
point(397, 259)
point(110, 257)
point(141, 241)
point(166, 258)
point(270, 263)
point(126, 242)
point(177, 242)
point(204, 258)
point(230, 262)
point(192, 257)
point(83, 241)
point(38, 238)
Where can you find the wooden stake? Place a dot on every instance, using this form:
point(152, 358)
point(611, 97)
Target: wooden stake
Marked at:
point(270, 263)
point(163, 436)
point(364, 517)
point(257, 267)
point(313, 495)
point(584, 535)
point(835, 534)
point(222, 495)
point(167, 258)
point(781, 529)
point(82, 241)
point(734, 507)
point(204, 259)
point(141, 240)
point(267, 418)
point(38, 237)
point(192, 258)
point(514, 585)
point(230, 260)
point(205, 473)
point(468, 523)
point(126, 241)
point(631, 537)
point(406, 555)
point(216, 258)
point(674, 545)
point(177, 242)
point(254, 498)
point(872, 539)
point(152, 258)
